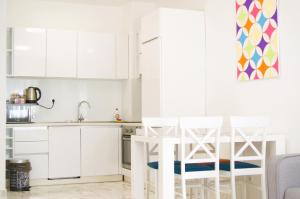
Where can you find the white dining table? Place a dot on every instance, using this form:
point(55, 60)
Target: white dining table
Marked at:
point(166, 144)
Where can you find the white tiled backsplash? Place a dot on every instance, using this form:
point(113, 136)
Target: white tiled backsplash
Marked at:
point(103, 95)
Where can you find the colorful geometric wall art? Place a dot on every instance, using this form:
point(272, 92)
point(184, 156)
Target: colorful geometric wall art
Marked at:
point(257, 39)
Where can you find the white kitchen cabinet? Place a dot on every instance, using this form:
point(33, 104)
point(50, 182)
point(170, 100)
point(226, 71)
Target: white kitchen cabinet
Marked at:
point(29, 52)
point(122, 70)
point(32, 143)
point(61, 53)
point(64, 152)
point(96, 55)
point(31, 147)
point(173, 63)
point(30, 134)
point(39, 165)
point(99, 151)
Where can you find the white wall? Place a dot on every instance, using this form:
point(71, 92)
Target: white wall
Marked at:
point(56, 14)
point(278, 98)
point(2, 88)
point(183, 4)
point(103, 95)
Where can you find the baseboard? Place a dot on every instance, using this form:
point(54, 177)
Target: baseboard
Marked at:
point(93, 179)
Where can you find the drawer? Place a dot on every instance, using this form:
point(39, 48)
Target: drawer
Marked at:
point(39, 165)
point(31, 134)
point(31, 147)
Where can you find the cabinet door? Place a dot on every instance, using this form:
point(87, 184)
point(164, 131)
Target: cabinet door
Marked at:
point(29, 52)
point(100, 151)
point(39, 165)
point(96, 55)
point(151, 78)
point(64, 152)
point(122, 56)
point(30, 134)
point(61, 53)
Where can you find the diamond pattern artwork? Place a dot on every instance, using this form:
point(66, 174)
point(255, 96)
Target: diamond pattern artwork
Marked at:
point(257, 39)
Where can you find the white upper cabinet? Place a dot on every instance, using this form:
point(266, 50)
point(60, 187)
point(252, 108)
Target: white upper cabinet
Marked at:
point(96, 55)
point(122, 56)
point(61, 53)
point(68, 54)
point(29, 52)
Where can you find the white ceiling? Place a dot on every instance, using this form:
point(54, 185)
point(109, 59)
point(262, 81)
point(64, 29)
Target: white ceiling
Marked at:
point(193, 4)
point(103, 2)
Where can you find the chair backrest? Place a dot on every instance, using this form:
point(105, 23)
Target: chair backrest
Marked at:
point(251, 132)
point(202, 132)
point(155, 126)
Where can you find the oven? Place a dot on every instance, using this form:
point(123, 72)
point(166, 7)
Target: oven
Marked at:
point(127, 132)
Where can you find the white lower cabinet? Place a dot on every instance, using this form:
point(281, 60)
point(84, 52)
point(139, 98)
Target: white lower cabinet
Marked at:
point(64, 152)
point(31, 143)
point(99, 151)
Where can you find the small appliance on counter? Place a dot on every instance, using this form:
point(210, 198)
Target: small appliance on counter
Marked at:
point(33, 94)
point(19, 113)
point(19, 108)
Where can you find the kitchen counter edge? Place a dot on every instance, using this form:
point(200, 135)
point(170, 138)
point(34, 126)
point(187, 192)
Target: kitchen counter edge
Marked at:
point(50, 124)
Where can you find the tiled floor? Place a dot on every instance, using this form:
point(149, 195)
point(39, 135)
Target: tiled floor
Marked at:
point(116, 190)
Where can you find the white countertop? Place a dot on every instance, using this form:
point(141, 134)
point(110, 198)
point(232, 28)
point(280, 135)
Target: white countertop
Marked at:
point(94, 123)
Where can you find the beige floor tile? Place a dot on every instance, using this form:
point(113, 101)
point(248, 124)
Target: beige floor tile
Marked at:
point(116, 190)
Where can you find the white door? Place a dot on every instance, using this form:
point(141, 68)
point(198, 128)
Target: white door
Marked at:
point(122, 70)
point(100, 151)
point(29, 52)
point(64, 152)
point(96, 55)
point(151, 78)
point(61, 53)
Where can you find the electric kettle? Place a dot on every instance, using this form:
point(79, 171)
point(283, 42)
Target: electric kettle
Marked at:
point(33, 94)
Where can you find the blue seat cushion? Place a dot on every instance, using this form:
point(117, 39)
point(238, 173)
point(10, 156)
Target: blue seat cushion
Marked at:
point(188, 167)
point(225, 165)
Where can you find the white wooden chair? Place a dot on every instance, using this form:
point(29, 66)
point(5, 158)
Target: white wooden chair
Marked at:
point(202, 132)
point(248, 156)
point(154, 127)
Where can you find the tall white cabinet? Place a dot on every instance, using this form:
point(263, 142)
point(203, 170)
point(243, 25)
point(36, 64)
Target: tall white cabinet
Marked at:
point(29, 52)
point(172, 63)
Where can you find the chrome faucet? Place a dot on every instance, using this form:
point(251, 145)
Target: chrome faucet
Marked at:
point(80, 115)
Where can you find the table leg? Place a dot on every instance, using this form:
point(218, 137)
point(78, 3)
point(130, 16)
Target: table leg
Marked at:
point(137, 168)
point(166, 170)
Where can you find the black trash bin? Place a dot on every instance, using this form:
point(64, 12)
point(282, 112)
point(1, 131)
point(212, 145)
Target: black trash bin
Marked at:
point(18, 171)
